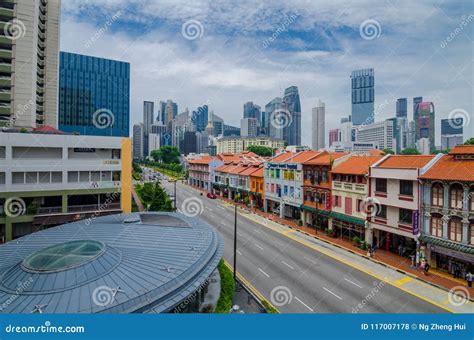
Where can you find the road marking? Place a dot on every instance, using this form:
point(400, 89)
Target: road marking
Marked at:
point(310, 260)
point(304, 304)
point(239, 233)
point(238, 252)
point(220, 206)
point(286, 264)
point(355, 284)
point(404, 280)
point(264, 272)
point(210, 209)
point(258, 246)
point(327, 290)
point(257, 231)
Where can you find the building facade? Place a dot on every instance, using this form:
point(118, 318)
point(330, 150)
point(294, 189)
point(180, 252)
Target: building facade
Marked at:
point(451, 132)
point(239, 144)
point(318, 126)
point(138, 141)
point(379, 133)
point(401, 108)
point(292, 104)
point(447, 212)
point(148, 120)
point(51, 179)
point(362, 94)
point(425, 123)
point(29, 63)
point(94, 95)
point(249, 127)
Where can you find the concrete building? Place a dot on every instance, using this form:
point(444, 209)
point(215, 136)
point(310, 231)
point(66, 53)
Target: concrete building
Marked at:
point(238, 144)
point(154, 142)
point(451, 132)
point(249, 127)
point(379, 133)
point(148, 119)
point(402, 108)
point(362, 95)
point(29, 51)
point(318, 126)
point(334, 136)
point(425, 122)
point(50, 179)
point(423, 146)
point(395, 193)
point(447, 212)
point(138, 141)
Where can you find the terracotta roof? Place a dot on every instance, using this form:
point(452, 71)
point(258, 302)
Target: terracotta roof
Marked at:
point(258, 173)
point(451, 169)
point(326, 158)
point(281, 157)
point(356, 165)
point(405, 161)
point(249, 170)
point(303, 156)
point(462, 150)
point(202, 160)
point(228, 157)
point(376, 152)
point(237, 169)
point(224, 167)
point(48, 129)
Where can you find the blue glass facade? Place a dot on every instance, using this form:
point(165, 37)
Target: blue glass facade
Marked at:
point(94, 95)
point(362, 84)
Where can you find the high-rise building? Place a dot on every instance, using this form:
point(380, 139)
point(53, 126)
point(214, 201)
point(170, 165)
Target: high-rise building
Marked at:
point(416, 101)
point(379, 133)
point(189, 143)
point(334, 136)
point(231, 131)
point(249, 127)
point(217, 124)
point(29, 63)
point(318, 126)
point(273, 125)
point(168, 110)
point(451, 132)
point(138, 141)
point(200, 118)
point(252, 110)
point(179, 126)
point(363, 85)
point(293, 105)
point(401, 108)
point(148, 118)
point(202, 142)
point(94, 95)
point(425, 122)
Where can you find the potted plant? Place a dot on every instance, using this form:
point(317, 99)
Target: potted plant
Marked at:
point(300, 223)
point(356, 241)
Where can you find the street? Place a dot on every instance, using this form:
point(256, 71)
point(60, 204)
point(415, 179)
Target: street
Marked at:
point(294, 277)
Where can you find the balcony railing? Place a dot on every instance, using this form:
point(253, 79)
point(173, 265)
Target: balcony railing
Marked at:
point(49, 210)
point(94, 207)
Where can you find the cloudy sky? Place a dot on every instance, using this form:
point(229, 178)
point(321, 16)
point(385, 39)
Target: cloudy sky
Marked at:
point(225, 53)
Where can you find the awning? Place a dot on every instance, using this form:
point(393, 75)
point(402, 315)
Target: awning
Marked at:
point(348, 219)
point(447, 244)
point(317, 211)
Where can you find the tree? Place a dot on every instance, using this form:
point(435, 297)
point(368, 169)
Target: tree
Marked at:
point(469, 141)
point(388, 152)
point(410, 151)
point(261, 150)
point(166, 154)
point(155, 198)
point(435, 152)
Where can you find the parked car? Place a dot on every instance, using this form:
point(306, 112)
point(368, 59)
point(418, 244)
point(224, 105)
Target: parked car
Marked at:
point(211, 196)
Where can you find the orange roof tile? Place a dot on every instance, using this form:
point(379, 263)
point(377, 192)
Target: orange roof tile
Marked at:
point(356, 165)
point(462, 150)
point(249, 170)
point(237, 169)
point(258, 173)
point(326, 158)
point(406, 161)
point(303, 156)
point(376, 152)
point(224, 167)
point(202, 160)
point(281, 157)
point(451, 169)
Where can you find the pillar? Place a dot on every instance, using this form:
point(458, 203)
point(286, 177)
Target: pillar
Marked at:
point(282, 209)
point(445, 220)
point(64, 203)
point(265, 205)
point(303, 217)
point(8, 230)
point(465, 197)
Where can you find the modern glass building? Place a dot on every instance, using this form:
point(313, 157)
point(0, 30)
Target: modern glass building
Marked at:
point(94, 95)
point(402, 107)
point(292, 102)
point(425, 122)
point(362, 84)
point(200, 118)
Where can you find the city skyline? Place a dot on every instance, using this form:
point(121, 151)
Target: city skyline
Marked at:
point(279, 50)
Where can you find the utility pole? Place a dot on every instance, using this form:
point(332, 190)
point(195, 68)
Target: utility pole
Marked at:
point(235, 243)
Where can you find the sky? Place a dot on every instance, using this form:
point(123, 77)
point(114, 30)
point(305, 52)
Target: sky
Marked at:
point(226, 53)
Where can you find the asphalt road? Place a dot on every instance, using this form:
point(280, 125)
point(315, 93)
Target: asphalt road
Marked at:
point(303, 280)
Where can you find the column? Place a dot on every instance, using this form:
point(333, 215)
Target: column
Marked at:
point(8, 230)
point(64, 203)
point(446, 195)
point(465, 197)
point(445, 220)
point(265, 205)
point(465, 229)
point(427, 223)
point(282, 209)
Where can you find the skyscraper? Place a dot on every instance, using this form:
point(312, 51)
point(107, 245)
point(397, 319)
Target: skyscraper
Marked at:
point(138, 141)
point(94, 95)
point(401, 107)
point(249, 127)
point(168, 110)
point(416, 101)
point(334, 136)
point(29, 53)
point(451, 132)
point(252, 110)
point(148, 118)
point(318, 124)
point(293, 105)
point(363, 84)
point(425, 122)
point(273, 126)
point(217, 124)
point(200, 117)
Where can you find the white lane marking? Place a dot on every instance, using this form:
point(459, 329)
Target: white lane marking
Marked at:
point(220, 206)
point(257, 231)
point(238, 252)
point(355, 284)
point(310, 260)
point(286, 264)
point(304, 304)
point(264, 272)
point(327, 290)
point(239, 233)
point(258, 246)
point(210, 209)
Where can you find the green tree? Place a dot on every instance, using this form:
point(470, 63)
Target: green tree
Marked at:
point(469, 141)
point(435, 152)
point(166, 154)
point(388, 152)
point(155, 198)
point(410, 151)
point(261, 150)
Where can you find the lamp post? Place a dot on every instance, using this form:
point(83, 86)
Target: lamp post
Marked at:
point(235, 243)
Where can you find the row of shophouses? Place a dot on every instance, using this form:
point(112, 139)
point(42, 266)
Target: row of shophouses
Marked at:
point(415, 205)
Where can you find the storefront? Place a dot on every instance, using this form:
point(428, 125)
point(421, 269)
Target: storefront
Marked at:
point(348, 227)
point(316, 218)
point(395, 243)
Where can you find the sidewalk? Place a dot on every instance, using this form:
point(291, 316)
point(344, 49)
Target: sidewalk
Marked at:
point(401, 264)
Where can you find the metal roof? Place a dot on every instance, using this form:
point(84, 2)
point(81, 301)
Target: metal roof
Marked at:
point(151, 263)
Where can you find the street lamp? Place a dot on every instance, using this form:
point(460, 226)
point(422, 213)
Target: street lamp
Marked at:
point(235, 243)
point(174, 200)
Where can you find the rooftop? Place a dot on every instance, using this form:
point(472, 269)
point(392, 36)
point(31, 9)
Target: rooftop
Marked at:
point(451, 169)
point(405, 161)
point(356, 165)
point(326, 158)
